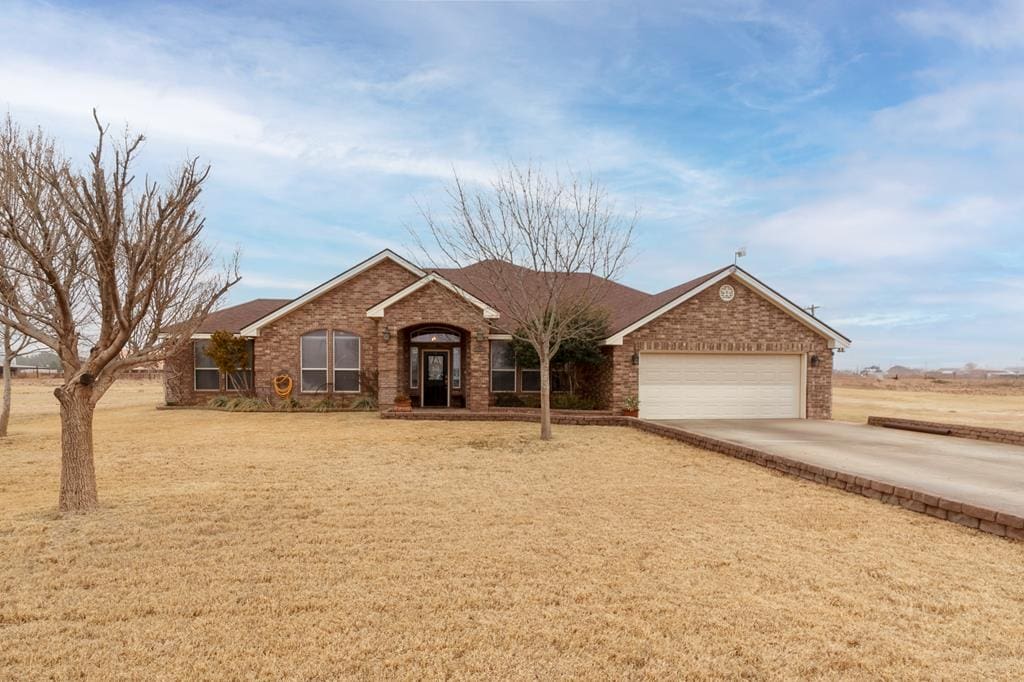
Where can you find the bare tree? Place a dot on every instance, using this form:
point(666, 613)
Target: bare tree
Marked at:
point(541, 248)
point(108, 274)
point(15, 344)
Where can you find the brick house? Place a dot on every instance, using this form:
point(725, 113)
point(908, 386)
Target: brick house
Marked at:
point(723, 345)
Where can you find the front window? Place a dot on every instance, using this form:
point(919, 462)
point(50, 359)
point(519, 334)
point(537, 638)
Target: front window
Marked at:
point(207, 376)
point(503, 367)
point(313, 352)
point(346, 362)
point(530, 380)
point(241, 378)
point(414, 367)
point(456, 368)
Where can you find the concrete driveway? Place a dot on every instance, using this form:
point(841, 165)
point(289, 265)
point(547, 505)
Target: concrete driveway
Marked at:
point(977, 472)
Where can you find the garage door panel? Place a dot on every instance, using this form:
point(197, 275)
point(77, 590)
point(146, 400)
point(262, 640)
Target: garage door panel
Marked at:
point(719, 386)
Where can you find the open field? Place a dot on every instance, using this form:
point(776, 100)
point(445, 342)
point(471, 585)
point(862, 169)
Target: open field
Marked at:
point(332, 545)
point(995, 404)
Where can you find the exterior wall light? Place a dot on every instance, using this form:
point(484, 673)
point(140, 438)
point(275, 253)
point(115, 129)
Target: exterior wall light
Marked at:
point(386, 333)
point(814, 360)
point(635, 358)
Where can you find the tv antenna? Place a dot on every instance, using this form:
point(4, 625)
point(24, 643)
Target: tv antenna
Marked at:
point(740, 253)
point(812, 309)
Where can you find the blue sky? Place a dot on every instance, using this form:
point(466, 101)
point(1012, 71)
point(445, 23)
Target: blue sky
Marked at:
point(870, 156)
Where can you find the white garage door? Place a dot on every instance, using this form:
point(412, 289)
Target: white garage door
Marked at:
point(707, 386)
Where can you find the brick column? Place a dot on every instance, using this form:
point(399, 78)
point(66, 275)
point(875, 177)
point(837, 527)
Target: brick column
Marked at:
point(479, 367)
point(387, 365)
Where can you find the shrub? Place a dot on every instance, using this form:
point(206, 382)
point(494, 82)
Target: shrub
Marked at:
point(323, 405)
point(288, 404)
point(366, 402)
point(568, 401)
point(242, 404)
point(508, 400)
point(218, 401)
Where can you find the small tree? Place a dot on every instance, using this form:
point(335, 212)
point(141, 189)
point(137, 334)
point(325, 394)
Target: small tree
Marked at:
point(582, 350)
point(108, 274)
point(14, 345)
point(541, 247)
point(231, 355)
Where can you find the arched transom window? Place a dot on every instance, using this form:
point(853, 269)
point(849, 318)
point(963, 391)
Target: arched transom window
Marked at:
point(436, 335)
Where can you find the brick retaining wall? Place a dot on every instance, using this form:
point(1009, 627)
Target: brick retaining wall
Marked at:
point(987, 520)
point(955, 430)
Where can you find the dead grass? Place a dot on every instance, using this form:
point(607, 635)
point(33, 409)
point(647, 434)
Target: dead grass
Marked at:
point(998, 411)
point(325, 546)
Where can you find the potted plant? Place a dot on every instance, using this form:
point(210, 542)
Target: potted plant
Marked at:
point(403, 403)
point(632, 406)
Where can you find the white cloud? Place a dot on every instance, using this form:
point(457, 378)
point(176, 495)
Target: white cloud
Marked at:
point(185, 113)
point(1001, 27)
point(901, 319)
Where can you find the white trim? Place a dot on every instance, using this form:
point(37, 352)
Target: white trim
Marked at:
point(500, 337)
point(378, 310)
point(835, 339)
point(253, 329)
point(326, 370)
point(423, 375)
point(334, 361)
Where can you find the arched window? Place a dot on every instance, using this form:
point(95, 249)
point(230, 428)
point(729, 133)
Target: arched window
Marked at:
point(346, 362)
point(436, 335)
point(313, 359)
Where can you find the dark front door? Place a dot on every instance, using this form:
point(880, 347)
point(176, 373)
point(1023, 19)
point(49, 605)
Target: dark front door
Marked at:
point(435, 378)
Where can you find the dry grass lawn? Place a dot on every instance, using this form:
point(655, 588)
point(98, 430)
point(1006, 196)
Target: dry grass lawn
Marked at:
point(979, 407)
point(264, 546)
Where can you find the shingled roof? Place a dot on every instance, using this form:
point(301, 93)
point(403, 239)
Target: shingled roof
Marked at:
point(236, 317)
point(625, 305)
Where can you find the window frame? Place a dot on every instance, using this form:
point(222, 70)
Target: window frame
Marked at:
point(196, 369)
point(334, 361)
point(302, 361)
point(492, 370)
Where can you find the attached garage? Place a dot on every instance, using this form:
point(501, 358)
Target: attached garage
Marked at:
point(720, 386)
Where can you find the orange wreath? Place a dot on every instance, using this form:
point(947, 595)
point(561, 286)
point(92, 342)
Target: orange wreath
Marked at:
point(283, 385)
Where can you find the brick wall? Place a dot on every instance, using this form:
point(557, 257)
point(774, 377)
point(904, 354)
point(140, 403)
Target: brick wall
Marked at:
point(748, 323)
point(341, 309)
point(178, 379)
point(955, 430)
point(433, 304)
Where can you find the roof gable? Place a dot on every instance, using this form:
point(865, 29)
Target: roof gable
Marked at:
point(671, 298)
point(253, 328)
point(378, 310)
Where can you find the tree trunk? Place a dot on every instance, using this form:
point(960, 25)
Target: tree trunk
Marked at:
point(545, 394)
point(77, 473)
point(5, 408)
